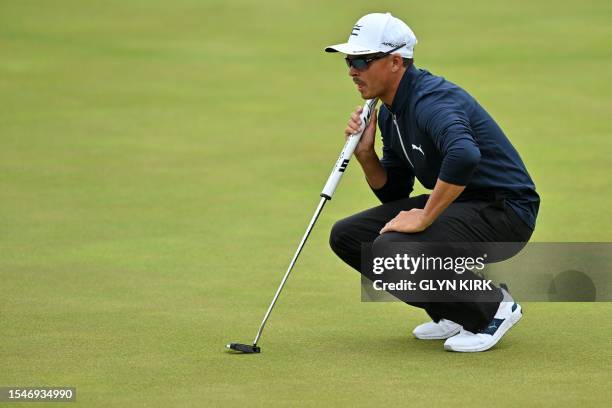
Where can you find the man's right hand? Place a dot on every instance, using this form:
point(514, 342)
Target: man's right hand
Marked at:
point(365, 148)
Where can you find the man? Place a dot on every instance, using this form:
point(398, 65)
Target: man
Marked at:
point(435, 131)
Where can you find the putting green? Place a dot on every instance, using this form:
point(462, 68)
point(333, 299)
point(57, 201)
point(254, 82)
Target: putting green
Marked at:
point(160, 160)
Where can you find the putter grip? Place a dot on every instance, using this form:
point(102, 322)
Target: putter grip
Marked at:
point(347, 151)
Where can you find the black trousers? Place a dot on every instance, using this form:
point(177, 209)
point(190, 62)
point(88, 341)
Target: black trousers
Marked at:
point(479, 220)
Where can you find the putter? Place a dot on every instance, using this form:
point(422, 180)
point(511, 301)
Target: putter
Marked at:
point(326, 194)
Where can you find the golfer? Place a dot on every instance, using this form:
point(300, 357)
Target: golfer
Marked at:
point(434, 131)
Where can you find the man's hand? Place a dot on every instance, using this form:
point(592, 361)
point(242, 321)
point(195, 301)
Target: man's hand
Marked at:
point(364, 152)
point(365, 148)
point(417, 220)
point(411, 221)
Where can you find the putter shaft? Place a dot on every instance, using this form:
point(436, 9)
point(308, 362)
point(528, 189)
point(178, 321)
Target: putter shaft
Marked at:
point(295, 257)
point(326, 194)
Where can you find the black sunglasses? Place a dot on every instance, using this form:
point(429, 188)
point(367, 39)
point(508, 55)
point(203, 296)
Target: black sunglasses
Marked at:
point(362, 63)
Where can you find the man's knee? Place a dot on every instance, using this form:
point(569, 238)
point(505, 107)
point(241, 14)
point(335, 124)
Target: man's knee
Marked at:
point(391, 244)
point(389, 238)
point(341, 235)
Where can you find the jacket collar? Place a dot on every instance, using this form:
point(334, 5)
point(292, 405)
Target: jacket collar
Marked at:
point(404, 89)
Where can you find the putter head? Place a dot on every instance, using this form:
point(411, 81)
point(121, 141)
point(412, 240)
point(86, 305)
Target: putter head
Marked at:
point(243, 348)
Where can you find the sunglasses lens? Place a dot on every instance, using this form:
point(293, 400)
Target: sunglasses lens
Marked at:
point(360, 64)
point(357, 63)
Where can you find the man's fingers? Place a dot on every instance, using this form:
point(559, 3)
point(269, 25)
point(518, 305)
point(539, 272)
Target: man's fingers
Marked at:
point(386, 228)
point(350, 130)
point(372, 119)
point(353, 125)
point(390, 226)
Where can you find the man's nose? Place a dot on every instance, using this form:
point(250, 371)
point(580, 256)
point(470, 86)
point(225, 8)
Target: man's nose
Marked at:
point(353, 72)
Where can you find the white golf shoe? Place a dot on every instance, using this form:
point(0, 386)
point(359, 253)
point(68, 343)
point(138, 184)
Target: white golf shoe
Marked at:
point(508, 314)
point(436, 331)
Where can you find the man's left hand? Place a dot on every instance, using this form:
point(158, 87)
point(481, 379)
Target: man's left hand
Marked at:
point(411, 221)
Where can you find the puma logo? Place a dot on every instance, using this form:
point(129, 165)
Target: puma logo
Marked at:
point(414, 147)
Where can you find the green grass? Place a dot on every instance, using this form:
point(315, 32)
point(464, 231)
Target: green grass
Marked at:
point(159, 162)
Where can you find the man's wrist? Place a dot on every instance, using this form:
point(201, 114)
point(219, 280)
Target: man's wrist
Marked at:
point(428, 214)
point(427, 219)
point(366, 156)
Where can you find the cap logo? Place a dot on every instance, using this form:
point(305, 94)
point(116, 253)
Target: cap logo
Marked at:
point(393, 45)
point(356, 29)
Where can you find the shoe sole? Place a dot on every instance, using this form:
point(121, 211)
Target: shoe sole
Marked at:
point(446, 336)
point(514, 319)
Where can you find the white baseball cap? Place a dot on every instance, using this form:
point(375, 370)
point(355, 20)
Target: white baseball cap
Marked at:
point(378, 32)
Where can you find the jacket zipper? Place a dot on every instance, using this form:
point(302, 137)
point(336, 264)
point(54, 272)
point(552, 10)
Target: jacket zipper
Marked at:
point(401, 141)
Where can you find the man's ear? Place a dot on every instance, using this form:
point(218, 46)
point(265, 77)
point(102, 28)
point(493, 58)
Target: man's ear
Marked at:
point(396, 62)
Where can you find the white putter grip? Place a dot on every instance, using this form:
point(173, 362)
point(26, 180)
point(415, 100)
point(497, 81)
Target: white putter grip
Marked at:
point(347, 151)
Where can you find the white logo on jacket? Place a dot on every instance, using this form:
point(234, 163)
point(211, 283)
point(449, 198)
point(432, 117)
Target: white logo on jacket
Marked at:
point(414, 147)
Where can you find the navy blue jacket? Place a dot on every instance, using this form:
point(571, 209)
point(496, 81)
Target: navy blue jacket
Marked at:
point(434, 129)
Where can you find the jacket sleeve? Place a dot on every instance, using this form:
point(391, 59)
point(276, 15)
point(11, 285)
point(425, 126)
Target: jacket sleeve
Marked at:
point(400, 177)
point(444, 118)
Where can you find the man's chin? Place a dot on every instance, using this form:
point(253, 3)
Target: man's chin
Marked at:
point(365, 94)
